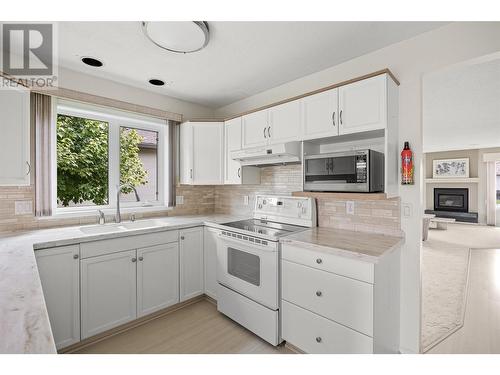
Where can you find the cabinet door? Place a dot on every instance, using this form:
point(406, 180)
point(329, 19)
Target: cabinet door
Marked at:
point(363, 105)
point(59, 270)
point(186, 152)
point(207, 153)
point(15, 138)
point(108, 291)
point(232, 142)
point(191, 262)
point(285, 122)
point(210, 261)
point(157, 278)
point(255, 127)
point(320, 115)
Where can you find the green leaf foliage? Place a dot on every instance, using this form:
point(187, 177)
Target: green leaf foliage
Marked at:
point(82, 160)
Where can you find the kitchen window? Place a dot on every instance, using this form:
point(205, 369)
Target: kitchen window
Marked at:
point(97, 149)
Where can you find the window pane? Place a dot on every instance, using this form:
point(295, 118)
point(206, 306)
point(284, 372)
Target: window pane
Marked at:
point(82, 161)
point(139, 164)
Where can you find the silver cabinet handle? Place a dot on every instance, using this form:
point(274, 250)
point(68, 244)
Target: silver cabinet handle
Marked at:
point(333, 118)
point(134, 260)
point(340, 117)
point(191, 173)
point(182, 237)
point(141, 259)
point(318, 339)
point(29, 168)
point(319, 260)
point(75, 256)
point(269, 131)
point(239, 170)
point(265, 132)
point(318, 293)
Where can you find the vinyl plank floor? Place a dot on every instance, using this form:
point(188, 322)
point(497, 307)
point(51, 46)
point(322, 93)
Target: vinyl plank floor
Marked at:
point(195, 329)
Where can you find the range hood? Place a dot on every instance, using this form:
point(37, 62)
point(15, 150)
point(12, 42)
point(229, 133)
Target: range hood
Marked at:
point(280, 153)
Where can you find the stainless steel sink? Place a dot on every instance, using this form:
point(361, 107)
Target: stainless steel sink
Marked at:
point(143, 224)
point(99, 229)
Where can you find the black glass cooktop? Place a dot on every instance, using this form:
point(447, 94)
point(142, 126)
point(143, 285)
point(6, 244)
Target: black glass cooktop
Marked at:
point(267, 228)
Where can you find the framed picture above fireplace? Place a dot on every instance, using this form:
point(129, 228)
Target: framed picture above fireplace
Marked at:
point(450, 168)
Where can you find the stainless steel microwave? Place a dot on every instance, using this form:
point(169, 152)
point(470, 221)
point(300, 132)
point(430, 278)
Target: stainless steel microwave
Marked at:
point(349, 171)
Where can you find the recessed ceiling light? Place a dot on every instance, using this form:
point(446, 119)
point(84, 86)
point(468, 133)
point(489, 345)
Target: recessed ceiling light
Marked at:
point(92, 62)
point(180, 37)
point(156, 82)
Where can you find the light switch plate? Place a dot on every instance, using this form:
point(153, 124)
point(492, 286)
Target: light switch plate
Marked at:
point(179, 199)
point(23, 207)
point(246, 200)
point(349, 207)
point(407, 209)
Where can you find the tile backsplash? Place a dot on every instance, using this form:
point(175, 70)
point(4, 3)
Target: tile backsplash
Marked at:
point(381, 216)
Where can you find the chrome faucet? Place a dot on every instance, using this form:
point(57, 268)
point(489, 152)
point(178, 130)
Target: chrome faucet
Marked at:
point(118, 217)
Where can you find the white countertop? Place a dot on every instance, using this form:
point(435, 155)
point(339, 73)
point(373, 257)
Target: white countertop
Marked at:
point(368, 247)
point(24, 322)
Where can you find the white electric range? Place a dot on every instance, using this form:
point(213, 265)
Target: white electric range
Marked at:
point(248, 266)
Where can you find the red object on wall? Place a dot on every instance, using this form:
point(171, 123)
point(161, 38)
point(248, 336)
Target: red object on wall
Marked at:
point(407, 167)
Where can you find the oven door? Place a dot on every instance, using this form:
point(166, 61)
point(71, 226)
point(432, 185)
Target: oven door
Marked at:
point(250, 269)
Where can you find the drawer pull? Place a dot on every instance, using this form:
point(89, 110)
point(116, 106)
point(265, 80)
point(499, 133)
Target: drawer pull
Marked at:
point(319, 260)
point(318, 339)
point(318, 293)
point(134, 260)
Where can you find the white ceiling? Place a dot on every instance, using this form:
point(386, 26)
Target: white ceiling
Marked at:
point(241, 59)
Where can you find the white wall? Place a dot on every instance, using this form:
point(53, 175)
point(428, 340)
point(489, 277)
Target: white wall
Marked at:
point(409, 61)
point(70, 79)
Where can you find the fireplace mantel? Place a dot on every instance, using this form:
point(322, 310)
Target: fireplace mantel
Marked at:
point(470, 180)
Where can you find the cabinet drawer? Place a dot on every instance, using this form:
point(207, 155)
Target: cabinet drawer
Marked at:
point(352, 268)
point(317, 335)
point(344, 300)
point(113, 245)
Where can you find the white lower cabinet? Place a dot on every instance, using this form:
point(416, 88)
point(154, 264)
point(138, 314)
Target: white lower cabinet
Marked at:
point(59, 270)
point(157, 278)
point(108, 291)
point(210, 261)
point(335, 304)
point(191, 263)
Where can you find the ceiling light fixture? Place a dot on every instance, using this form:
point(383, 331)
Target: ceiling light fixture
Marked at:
point(92, 62)
point(180, 37)
point(156, 82)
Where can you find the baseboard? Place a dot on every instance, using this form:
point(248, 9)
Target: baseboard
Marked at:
point(133, 324)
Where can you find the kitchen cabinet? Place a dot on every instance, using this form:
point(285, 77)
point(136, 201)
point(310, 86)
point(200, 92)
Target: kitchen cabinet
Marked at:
point(363, 105)
point(285, 122)
point(59, 270)
point(210, 261)
point(191, 263)
point(320, 115)
point(337, 304)
point(255, 129)
point(201, 153)
point(15, 139)
point(234, 173)
point(157, 278)
point(108, 291)
point(278, 124)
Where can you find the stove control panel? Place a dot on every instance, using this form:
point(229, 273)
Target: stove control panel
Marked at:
point(293, 210)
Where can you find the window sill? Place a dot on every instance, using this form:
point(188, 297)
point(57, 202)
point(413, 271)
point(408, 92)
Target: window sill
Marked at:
point(107, 211)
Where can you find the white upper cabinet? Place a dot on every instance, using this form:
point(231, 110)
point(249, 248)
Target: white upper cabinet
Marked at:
point(255, 129)
point(15, 138)
point(234, 173)
point(320, 115)
point(201, 153)
point(285, 123)
point(363, 105)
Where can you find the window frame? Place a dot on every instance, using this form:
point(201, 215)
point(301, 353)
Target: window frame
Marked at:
point(115, 119)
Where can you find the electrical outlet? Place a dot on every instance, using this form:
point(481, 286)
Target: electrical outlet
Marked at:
point(246, 200)
point(23, 207)
point(179, 199)
point(349, 207)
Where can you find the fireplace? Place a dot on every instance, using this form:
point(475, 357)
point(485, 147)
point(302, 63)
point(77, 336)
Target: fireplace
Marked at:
point(451, 200)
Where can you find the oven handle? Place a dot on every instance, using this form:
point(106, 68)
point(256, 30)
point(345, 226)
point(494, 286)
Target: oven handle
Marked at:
point(261, 248)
